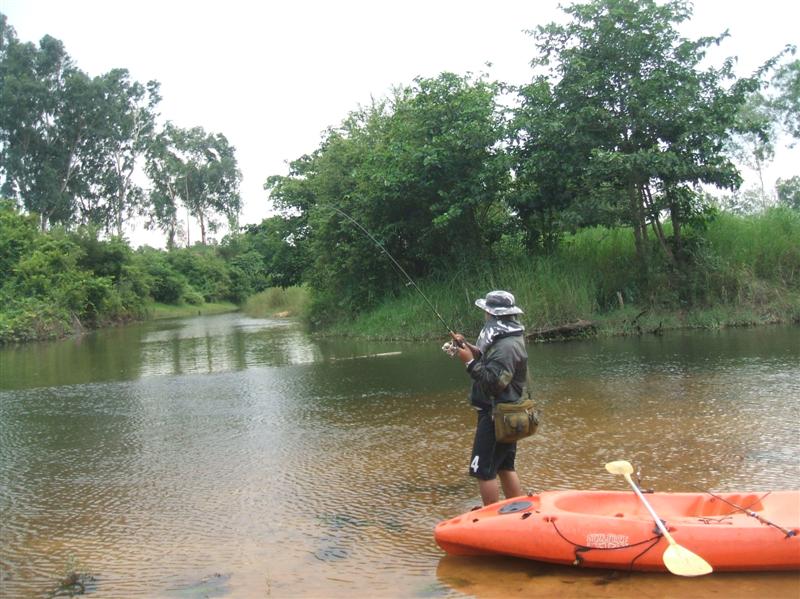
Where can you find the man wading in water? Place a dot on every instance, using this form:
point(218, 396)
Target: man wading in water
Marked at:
point(498, 365)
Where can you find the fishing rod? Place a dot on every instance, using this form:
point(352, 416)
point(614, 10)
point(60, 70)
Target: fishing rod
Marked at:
point(788, 533)
point(395, 263)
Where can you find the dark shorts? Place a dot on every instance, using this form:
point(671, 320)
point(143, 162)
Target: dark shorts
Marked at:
point(488, 456)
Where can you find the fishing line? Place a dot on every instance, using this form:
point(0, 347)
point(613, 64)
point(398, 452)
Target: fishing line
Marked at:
point(394, 262)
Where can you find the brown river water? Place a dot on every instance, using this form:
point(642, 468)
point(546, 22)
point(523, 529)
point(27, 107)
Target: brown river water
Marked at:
point(233, 457)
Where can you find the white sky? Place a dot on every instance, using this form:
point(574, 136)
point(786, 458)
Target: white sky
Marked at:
point(272, 76)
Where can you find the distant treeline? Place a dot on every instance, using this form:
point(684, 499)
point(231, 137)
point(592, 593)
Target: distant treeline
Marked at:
point(73, 148)
point(58, 282)
point(621, 129)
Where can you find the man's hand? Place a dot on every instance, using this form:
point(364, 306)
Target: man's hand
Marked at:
point(466, 352)
point(458, 339)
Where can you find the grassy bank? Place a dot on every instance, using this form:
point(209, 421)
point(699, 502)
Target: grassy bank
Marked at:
point(743, 271)
point(159, 311)
point(292, 301)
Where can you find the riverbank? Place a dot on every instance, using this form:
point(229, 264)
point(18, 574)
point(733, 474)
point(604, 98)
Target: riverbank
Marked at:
point(737, 272)
point(385, 324)
point(289, 302)
point(159, 311)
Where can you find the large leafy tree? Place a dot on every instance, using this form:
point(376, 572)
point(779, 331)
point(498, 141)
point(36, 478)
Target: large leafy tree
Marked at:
point(342, 268)
point(43, 126)
point(789, 192)
point(624, 122)
point(69, 143)
point(123, 135)
point(787, 98)
point(422, 172)
point(438, 170)
point(197, 170)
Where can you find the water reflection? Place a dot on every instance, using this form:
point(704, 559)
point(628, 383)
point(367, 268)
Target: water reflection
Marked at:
point(229, 342)
point(477, 577)
point(239, 457)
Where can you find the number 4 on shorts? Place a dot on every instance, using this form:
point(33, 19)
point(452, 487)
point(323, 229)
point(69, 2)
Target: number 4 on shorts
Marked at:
point(474, 464)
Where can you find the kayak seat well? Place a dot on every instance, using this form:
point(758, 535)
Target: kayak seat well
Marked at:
point(672, 505)
point(611, 504)
point(705, 506)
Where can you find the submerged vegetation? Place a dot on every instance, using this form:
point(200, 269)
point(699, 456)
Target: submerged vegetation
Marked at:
point(583, 191)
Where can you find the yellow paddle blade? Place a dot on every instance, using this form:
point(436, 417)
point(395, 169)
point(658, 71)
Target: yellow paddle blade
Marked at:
point(619, 467)
point(683, 562)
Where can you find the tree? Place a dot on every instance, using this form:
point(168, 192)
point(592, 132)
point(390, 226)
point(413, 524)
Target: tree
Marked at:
point(42, 126)
point(69, 143)
point(639, 124)
point(766, 111)
point(124, 133)
point(787, 100)
point(281, 255)
point(422, 172)
point(199, 171)
point(164, 168)
point(438, 170)
point(754, 144)
point(789, 192)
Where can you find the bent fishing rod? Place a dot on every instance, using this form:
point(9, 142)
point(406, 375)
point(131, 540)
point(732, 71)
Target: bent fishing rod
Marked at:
point(395, 263)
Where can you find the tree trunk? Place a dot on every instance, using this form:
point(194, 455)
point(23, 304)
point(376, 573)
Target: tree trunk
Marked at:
point(677, 224)
point(202, 222)
point(638, 223)
point(647, 198)
point(118, 215)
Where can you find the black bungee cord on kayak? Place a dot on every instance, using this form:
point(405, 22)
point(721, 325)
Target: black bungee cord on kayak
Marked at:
point(581, 549)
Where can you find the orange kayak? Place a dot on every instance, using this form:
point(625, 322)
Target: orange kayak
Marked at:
point(613, 529)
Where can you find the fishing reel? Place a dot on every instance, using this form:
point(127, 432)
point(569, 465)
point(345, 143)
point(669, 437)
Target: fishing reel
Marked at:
point(450, 348)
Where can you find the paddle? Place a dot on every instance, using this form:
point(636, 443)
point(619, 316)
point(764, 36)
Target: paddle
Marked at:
point(677, 559)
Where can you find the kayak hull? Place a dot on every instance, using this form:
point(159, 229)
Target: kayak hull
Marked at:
point(612, 529)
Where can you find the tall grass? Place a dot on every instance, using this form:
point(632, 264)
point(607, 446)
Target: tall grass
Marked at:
point(766, 246)
point(741, 270)
point(276, 301)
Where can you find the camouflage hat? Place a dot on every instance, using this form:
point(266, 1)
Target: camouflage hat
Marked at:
point(498, 303)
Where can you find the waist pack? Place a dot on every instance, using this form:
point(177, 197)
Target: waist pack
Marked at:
point(514, 421)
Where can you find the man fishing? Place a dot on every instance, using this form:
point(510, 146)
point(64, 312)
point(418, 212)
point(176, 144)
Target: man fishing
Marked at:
point(498, 366)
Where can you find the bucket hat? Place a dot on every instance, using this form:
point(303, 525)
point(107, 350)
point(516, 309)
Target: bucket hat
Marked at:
point(498, 303)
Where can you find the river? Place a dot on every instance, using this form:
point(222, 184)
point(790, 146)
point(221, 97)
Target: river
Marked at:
point(227, 456)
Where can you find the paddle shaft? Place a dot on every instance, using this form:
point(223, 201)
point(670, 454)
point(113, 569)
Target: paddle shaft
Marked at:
point(646, 503)
point(677, 559)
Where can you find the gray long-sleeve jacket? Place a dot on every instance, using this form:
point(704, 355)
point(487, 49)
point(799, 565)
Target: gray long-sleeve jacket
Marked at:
point(500, 372)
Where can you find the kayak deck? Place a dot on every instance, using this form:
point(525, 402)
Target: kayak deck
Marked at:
point(613, 529)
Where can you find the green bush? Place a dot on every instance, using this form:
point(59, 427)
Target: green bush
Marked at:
point(165, 284)
point(17, 235)
point(204, 269)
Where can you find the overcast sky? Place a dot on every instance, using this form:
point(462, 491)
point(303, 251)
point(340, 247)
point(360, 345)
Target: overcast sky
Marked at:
point(272, 76)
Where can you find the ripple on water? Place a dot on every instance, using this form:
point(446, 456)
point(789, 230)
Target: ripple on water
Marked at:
point(326, 478)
